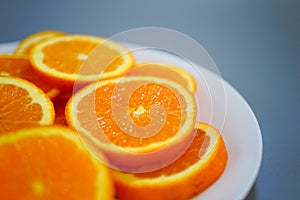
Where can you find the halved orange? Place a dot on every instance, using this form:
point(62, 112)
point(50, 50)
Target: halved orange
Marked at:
point(83, 59)
point(198, 168)
point(132, 117)
point(23, 105)
point(50, 162)
point(163, 70)
point(19, 66)
point(25, 46)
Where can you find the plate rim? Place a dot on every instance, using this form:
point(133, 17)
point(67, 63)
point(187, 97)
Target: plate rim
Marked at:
point(260, 146)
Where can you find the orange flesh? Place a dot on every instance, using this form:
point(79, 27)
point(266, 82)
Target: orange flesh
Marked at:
point(38, 168)
point(145, 96)
point(17, 110)
point(71, 61)
point(27, 51)
point(59, 106)
point(21, 67)
point(105, 59)
point(43, 38)
point(29, 48)
point(190, 157)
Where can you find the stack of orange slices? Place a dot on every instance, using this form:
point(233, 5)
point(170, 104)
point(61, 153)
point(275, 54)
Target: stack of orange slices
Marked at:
point(79, 119)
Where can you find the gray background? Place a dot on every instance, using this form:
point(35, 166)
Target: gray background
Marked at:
point(255, 44)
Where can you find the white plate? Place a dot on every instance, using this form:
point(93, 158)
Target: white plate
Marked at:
point(239, 128)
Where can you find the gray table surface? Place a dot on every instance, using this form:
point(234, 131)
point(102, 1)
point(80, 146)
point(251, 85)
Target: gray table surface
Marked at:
point(255, 44)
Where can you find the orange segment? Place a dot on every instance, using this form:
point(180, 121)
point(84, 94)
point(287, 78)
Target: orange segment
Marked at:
point(23, 105)
point(30, 41)
point(19, 66)
point(50, 163)
point(162, 70)
point(83, 59)
point(199, 167)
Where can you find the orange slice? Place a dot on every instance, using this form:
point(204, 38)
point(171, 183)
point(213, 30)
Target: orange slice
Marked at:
point(50, 163)
point(199, 167)
point(166, 71)
point(30, 41)
point(23, 105)
point(19, 66)
point(83, 59)
point(131, 116)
